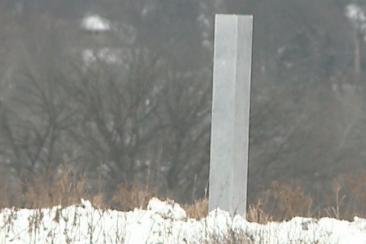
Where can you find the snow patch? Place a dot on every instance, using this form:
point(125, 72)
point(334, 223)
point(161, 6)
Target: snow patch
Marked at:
point(167, 210)
point(165, 222)
point(357, 17)
point(95, 23)
point(355, 13)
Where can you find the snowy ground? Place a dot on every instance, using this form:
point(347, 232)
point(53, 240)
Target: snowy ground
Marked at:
point(165, 222)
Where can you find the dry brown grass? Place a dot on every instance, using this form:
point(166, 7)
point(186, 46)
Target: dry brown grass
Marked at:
point(41, 191)
point(128, 197)
point(256, 213)
point(348, 196)
point(288, 200)
point(283, 200)
point(197, 210)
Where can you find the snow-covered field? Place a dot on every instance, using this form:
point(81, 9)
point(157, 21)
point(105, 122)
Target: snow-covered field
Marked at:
point(165, 222)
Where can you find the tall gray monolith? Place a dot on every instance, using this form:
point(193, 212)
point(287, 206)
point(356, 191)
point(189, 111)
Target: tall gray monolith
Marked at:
point(230, 113)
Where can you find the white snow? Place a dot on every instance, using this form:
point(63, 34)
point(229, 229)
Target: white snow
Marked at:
point(167, 210)
point(355, 13)
point(95, 23)
point(164, 222)
point(357, 17)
